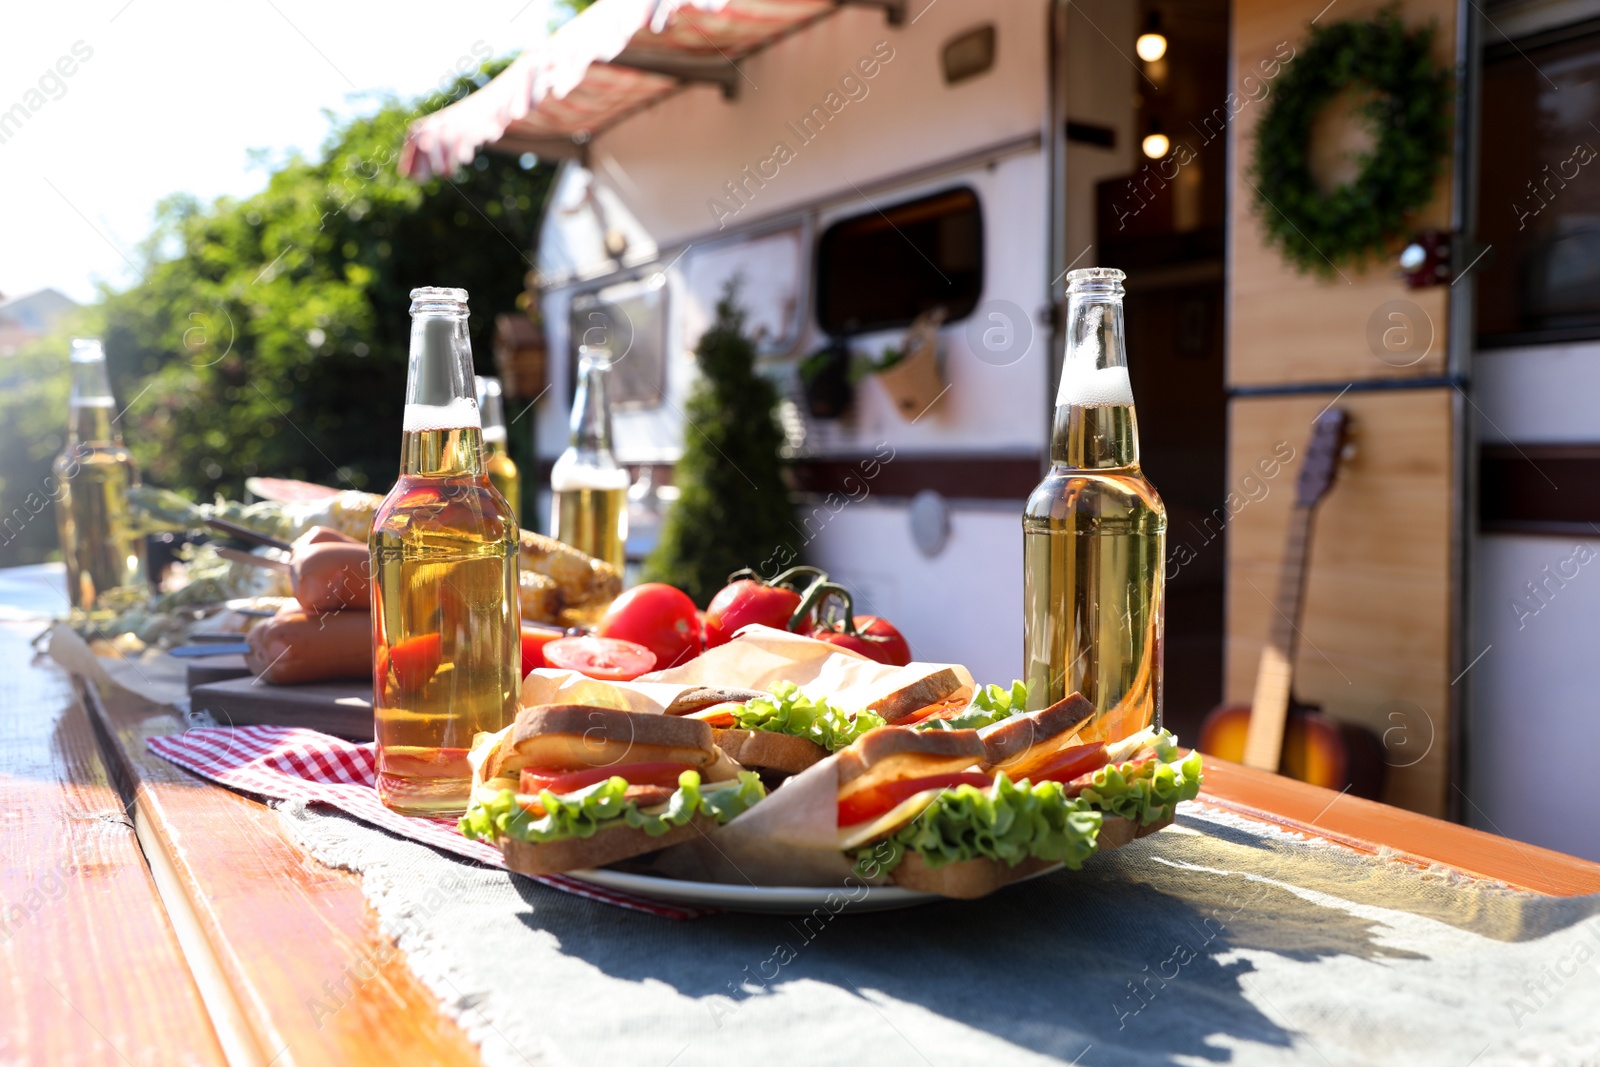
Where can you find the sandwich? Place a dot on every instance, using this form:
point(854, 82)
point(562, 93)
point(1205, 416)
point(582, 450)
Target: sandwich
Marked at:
point(938, 811)
point(783, 731)
point(572, 786)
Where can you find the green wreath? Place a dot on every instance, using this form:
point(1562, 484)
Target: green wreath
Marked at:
point(1409, 113)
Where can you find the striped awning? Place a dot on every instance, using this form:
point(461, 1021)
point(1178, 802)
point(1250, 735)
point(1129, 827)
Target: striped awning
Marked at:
point(601, 66)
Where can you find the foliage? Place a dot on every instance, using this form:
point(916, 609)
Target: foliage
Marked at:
point(269, 335)
point(1409, 112)
point(733, 508)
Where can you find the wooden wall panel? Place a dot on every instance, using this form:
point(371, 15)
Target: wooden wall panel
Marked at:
point(1284, 326)
point(1378, 604)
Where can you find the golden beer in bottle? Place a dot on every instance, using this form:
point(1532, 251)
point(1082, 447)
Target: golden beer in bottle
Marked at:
point(445, 625)
point(1094, 533)
point(93, 475)
point(497, 461)
point(589, 510)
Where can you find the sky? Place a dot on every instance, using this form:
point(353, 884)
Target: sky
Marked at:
point(166, 96)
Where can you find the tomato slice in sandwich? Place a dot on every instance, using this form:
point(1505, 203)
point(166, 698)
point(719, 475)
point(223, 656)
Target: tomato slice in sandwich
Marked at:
point(873, 801)
point(1069, 763)
point(560, 782)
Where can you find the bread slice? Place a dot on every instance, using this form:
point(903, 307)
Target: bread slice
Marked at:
point(900, 696)
point(892, 752)
point(971, 879)
point(575, 736)
point(1023, 741)
point(606, 847)
point(702, 697)
point(763, 750)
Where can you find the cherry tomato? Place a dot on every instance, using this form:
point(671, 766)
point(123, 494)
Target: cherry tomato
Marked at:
point(874, 638)
point(873, 801)
point(1069, 763)
point(560, 782)
point(605, 658)
point(657, 616)
point(413, 661)
point(748, 602)
point(534, 638)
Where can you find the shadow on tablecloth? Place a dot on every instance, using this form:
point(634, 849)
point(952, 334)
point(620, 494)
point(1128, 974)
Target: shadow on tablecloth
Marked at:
point(1216, 941)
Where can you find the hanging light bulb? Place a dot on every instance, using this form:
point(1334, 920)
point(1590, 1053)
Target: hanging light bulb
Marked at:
point(1151, 45)
point(1155, 143)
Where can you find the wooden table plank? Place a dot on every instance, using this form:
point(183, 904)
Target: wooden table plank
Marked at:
point(1369, 826)
point(92, 970)
point(313, 980)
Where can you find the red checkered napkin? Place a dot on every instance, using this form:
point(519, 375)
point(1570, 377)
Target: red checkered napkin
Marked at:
point(287, 763)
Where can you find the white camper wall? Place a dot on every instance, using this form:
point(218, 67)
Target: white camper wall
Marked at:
point(671, 161)
point(1538, 680)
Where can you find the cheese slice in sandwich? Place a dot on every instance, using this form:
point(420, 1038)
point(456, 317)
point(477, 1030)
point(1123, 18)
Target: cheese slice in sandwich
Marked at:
point(899, 754)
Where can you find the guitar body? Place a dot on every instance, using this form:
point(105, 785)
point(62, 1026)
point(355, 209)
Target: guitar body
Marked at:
point(1317, 748)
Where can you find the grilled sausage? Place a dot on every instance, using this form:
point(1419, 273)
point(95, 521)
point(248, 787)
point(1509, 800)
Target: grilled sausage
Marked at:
point(332, 575)
point(295, 646)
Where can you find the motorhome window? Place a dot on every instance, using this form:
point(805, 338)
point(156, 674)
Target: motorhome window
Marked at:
point(631, 319)
point(881, 269)
point(1539, 200)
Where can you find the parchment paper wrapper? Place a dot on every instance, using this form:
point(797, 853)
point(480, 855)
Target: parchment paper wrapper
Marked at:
point(790, 838)
point(760, 656)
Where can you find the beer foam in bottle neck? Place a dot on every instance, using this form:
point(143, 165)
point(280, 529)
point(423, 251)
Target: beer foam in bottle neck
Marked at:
point(457, 414)
point(572, 478)
point(1086, 384)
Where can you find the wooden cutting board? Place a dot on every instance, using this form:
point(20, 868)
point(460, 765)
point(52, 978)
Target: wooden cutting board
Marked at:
point(343, 709)
point(208, 669)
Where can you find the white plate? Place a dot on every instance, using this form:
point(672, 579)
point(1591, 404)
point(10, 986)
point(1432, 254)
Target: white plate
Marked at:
point(775, 900)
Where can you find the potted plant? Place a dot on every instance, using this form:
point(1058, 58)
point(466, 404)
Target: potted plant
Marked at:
point(911, 373)
point(826, 381)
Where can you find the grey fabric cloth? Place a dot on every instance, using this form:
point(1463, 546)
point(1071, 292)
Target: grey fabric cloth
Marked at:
point(1218, 940)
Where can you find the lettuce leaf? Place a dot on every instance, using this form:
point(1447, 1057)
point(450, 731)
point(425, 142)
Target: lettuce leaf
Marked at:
point(989, 704)
point(602, 806)
point(1145, 792)
point(1013, 821)
point(790, 711)
point(1007, 821)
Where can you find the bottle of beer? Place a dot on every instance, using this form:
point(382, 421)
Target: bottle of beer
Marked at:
point(502, 471)
point(93, 475)
point(445, 625)
point(1094, 533)
point(590, 489)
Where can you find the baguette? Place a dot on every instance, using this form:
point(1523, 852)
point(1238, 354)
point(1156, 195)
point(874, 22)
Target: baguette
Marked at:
point(606, 847)
point(766, 751)
point(1020, 743)
point(896, 699)
point(970, 879)
point(578, 735)
point(892, 752)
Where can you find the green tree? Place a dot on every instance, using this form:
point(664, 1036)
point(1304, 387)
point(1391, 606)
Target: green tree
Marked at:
point(733, 508)
point(268, 335)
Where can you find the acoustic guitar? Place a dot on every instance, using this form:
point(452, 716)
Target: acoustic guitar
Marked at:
point(1276, 732)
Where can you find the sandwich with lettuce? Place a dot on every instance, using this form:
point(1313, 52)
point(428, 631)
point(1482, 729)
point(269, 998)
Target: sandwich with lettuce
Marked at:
point(962, 812)
point(571, 786)
point(785, 730)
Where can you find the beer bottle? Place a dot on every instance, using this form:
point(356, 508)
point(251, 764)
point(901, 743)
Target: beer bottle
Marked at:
point(445, 626)
point(502, 471)
point(590, 488)
point(1094, 533)
point(93, 475)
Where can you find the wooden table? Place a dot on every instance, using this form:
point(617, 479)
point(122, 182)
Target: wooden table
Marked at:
point(149, 917)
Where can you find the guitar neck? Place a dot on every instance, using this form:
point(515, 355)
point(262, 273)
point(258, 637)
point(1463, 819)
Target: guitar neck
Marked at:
point(1269, 708)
